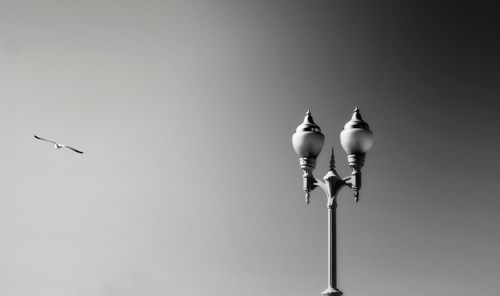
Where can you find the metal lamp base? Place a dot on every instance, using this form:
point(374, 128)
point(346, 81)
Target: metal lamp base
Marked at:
point(332, 292)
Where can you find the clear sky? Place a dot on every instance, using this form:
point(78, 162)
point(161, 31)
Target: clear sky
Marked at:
point(189, 183)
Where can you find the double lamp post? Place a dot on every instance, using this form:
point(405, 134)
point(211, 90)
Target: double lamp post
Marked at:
point(356, 139)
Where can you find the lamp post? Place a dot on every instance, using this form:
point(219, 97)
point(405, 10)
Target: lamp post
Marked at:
point(356, 139)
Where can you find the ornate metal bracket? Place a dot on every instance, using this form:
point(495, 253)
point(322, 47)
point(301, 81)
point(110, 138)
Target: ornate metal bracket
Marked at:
point(333, 183)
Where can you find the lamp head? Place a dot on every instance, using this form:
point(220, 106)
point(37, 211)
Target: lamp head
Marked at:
point(356, 137)
point(308, 142)
point(308, 139)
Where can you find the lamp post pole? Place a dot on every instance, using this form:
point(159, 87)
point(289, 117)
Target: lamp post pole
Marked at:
point(332, 251)
point(356, 139)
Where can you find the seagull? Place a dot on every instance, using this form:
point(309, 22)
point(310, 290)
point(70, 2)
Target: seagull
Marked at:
point(57, 145)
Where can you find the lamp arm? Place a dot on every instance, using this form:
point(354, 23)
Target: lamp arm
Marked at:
point(319, 183)
point(311, 183)
point(353, 181)
point(348, 181)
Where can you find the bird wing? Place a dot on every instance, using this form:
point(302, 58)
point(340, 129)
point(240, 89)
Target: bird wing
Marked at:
point(38, 138)
point(71, 148)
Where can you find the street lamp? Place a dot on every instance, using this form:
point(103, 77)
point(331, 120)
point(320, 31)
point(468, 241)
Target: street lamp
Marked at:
point(356, 139)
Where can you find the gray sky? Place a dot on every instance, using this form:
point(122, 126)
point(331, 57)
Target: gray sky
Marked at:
point(189, 183)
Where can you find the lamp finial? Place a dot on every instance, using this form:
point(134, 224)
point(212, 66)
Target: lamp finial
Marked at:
point(332, 161)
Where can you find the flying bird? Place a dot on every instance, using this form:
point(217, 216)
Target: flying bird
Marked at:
point(57, 145)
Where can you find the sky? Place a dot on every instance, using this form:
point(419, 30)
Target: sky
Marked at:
point(189, 182)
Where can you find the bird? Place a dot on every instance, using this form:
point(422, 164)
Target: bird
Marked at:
point(57, 145)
